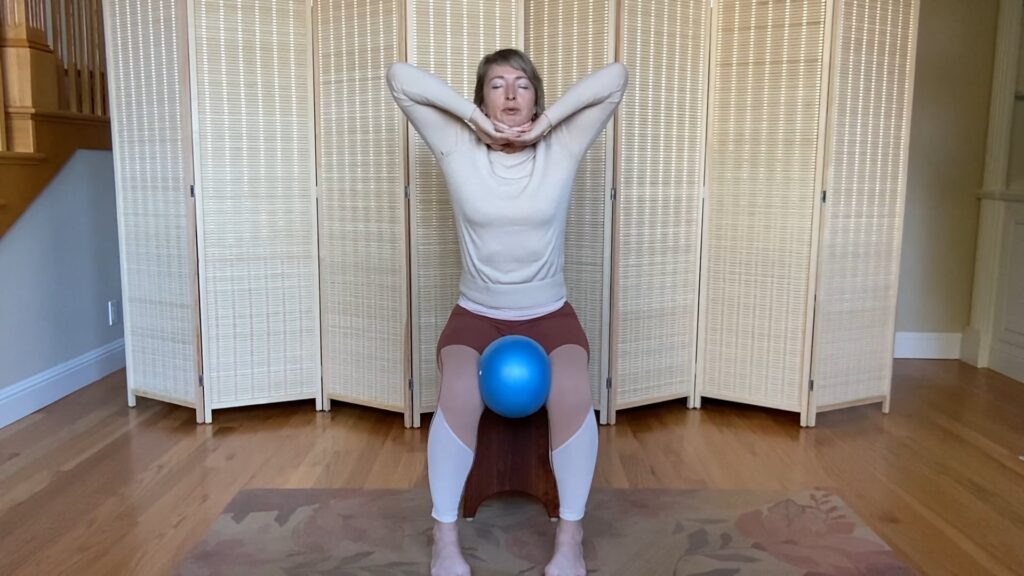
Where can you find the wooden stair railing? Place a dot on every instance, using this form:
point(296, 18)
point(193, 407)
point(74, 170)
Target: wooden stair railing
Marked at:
point(53, 94)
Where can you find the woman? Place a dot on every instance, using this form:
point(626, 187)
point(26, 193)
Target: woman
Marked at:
point(510, 179)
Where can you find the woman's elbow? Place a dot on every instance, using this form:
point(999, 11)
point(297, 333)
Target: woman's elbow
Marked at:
point(621, 75)
point(393, 71)
point(395, 74)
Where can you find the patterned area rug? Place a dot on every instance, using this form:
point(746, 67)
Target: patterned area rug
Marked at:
point(627, 532)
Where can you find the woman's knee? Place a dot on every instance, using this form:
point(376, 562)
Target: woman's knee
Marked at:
point(459, 396)
point(570, 399)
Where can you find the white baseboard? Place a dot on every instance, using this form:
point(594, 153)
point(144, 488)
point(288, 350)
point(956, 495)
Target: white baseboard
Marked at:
point(31, 394)
point(931, 345)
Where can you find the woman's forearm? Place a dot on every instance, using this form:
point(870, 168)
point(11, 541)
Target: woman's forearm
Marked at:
point(578, 118)
point(411, 85)
point(604, 85)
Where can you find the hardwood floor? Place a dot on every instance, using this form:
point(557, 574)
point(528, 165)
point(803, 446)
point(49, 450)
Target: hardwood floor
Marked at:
point(89, 486)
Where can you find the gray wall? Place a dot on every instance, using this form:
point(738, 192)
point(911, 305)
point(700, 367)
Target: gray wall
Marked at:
point(58, 268)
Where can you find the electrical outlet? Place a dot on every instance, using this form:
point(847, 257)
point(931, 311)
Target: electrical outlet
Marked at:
point(113, 312)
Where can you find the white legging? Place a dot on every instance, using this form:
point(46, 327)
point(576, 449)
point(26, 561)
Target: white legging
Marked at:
point(453, 429)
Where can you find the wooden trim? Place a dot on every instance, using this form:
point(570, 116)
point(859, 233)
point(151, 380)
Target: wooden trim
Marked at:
point(190, 20)
point(407, 51)
point(58, 52)
point(610, 404)
point(607, 261)
point(693, 399)
point(21, 158)
point(94, 57)
point(706, 163)
point(16, 42)
point(71, 56)
point(57, 115)
point(3, 110)
point(314, 200)
point(85, 43)
point(412, 416)
point(807, 400)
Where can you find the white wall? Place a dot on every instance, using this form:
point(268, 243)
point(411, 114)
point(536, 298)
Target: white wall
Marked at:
point(58, 268)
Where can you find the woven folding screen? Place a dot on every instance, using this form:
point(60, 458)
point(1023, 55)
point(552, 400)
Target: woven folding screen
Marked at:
point(447, 38)
point(304, 244)
point(568, 39)
point(762, 170)
point(363, 270)
point(869, 118)
point(147, 64)
point(256, 195)
point(661, 168)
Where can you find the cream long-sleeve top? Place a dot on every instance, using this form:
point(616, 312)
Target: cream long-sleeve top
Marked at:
point(510, 208)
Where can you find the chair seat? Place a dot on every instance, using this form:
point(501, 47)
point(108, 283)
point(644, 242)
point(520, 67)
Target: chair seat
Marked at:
point(513, 455)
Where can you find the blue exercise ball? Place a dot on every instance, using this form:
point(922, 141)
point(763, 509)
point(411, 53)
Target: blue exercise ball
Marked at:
point(515, 376)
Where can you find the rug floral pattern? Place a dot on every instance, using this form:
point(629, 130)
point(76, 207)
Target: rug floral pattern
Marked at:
point(628, 532)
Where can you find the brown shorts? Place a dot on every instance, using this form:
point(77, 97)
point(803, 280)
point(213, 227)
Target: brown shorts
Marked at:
point(551, 330)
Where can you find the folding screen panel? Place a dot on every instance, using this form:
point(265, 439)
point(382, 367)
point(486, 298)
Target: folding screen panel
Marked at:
point(149, 99)
point(567, 40)
point(763, 173)
point(869, 123)
point(252, 74)
point(447, 38)
point(363, 258)
point(665, 45)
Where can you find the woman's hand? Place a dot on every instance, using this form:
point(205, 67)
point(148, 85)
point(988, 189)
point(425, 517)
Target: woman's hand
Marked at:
point(508, 130)
point(529, 133)
point(506, 138)
point(487, 131)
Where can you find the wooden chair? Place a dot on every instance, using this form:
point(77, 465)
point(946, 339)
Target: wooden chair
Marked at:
point(512, 455)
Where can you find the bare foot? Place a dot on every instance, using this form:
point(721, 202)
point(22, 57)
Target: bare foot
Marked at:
point(568, 557)
point(447, 557)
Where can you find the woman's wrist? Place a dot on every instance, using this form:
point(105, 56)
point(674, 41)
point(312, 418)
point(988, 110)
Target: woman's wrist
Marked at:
point(548, 124)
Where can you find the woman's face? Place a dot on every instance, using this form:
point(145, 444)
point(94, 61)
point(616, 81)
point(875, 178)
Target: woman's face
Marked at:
point(508, 96)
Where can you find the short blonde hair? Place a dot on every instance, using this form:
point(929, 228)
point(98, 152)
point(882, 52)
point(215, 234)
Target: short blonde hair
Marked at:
point(516, 59)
